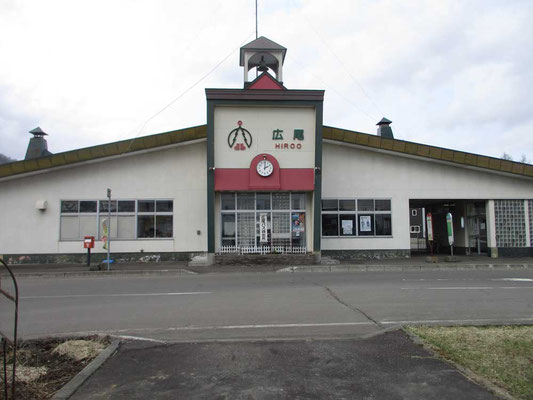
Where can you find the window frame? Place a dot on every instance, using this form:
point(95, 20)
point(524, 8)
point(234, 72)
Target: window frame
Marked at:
point(356, 213)
point(116, 214)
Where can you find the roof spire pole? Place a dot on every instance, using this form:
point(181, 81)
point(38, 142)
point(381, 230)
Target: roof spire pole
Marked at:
point(256, 71)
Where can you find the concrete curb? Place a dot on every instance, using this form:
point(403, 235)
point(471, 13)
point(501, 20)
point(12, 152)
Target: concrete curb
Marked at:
point(470, 375)
point(101, 274)
point(397, 268)
point(68, 390)
point(293, 269)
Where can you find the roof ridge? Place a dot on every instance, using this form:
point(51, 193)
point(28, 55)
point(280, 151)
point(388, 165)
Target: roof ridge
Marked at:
point(427, 151)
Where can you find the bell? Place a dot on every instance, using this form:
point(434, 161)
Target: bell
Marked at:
point(262, 65)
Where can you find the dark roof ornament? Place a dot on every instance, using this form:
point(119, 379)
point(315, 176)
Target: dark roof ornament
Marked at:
point(384, 121)
point(38, 147)
point(38, 132)
point(384, 129)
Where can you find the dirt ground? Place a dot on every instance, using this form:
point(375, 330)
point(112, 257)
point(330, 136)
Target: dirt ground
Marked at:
point(41, 371)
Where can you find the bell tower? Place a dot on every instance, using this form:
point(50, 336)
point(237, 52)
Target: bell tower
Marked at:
point(263, 54)
point(264, 141)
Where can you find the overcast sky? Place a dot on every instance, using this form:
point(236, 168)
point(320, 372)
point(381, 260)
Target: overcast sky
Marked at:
point(455, 74)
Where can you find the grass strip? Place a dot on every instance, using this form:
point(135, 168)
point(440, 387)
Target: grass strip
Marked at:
point(501, 354)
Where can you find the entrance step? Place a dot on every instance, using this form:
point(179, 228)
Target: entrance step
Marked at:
point(329, 261)
point(265, 259)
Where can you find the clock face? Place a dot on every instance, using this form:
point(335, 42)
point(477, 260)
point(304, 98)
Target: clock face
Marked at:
point(265, 168)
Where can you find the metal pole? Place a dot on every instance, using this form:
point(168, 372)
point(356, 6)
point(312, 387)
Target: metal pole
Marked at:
point(4, 349)
point(108, 227)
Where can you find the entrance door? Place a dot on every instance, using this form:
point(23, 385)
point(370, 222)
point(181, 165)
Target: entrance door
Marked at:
point(477, 228)
point(263, 222)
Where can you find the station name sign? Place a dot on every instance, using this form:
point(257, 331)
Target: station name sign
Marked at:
point(283, 144)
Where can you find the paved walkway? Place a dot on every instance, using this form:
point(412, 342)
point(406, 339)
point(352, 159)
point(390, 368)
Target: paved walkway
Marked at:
point(162, 268)
point(387, 366)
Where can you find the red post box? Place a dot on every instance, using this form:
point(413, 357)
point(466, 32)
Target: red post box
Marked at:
point(88, 242)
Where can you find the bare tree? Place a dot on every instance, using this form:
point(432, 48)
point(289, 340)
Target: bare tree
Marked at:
point(524, 159)
point(5, 159)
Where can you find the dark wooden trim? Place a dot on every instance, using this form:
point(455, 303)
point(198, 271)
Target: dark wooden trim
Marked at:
point(317, 220)
point(264, 94)
point(210, 176)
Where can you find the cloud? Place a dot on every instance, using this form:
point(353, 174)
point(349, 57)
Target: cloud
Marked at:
point(450, 73)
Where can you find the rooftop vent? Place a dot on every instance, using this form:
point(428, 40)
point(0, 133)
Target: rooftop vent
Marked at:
point(38, 147)
point(384, 129)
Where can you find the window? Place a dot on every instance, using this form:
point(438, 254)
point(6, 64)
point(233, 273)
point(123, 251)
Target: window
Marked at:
point(78, 219)
point(130, 219)
point(356, 217)
point(228, 229)
point(242, 213)
point(383, 225)
point(346, 205)
point(366, 224)
point(330, 225)
point(348, 225)
point(154, 218)
point(228, 201)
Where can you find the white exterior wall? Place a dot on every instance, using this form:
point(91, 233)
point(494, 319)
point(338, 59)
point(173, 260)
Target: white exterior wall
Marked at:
point(177, 173)
point(351, 172)
point(261, 122)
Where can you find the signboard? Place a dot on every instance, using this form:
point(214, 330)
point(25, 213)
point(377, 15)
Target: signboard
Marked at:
point(105, 232)
point(449, 227)
point(430, 226)
point(365, 223)
point(287, 133)
point(298, 224)
point(347, 227)
point(263, 228)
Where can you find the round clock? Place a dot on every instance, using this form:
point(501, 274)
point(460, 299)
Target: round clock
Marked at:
point(265, 168)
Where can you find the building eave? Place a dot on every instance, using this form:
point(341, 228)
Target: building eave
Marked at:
point(198, 133)
point(102, 152)
point(427, 152)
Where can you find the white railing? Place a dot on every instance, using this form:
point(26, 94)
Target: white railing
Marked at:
point(262, 250)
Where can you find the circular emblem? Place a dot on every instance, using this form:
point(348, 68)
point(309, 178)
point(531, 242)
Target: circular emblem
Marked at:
point(239, 138)
point(265, 168)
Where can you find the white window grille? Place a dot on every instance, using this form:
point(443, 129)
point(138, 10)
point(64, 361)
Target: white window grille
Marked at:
point(262, 250)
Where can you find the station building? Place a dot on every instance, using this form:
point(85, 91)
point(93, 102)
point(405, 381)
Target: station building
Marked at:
point(264, 176)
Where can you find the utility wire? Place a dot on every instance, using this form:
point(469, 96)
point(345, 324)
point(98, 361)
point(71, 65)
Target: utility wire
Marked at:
point(342, 96)
point(188, 89)
point(342, 63)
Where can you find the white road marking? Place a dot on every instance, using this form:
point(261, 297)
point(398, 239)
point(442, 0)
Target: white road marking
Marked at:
point(514, 279)
point(111, 295)
point(267, 326)
point(144, 339)
point(460, 321)
point(482, 321)
point(467, 288)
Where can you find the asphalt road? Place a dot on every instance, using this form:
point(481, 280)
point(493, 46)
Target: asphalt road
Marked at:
point(269, 305)
point(386, 367)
